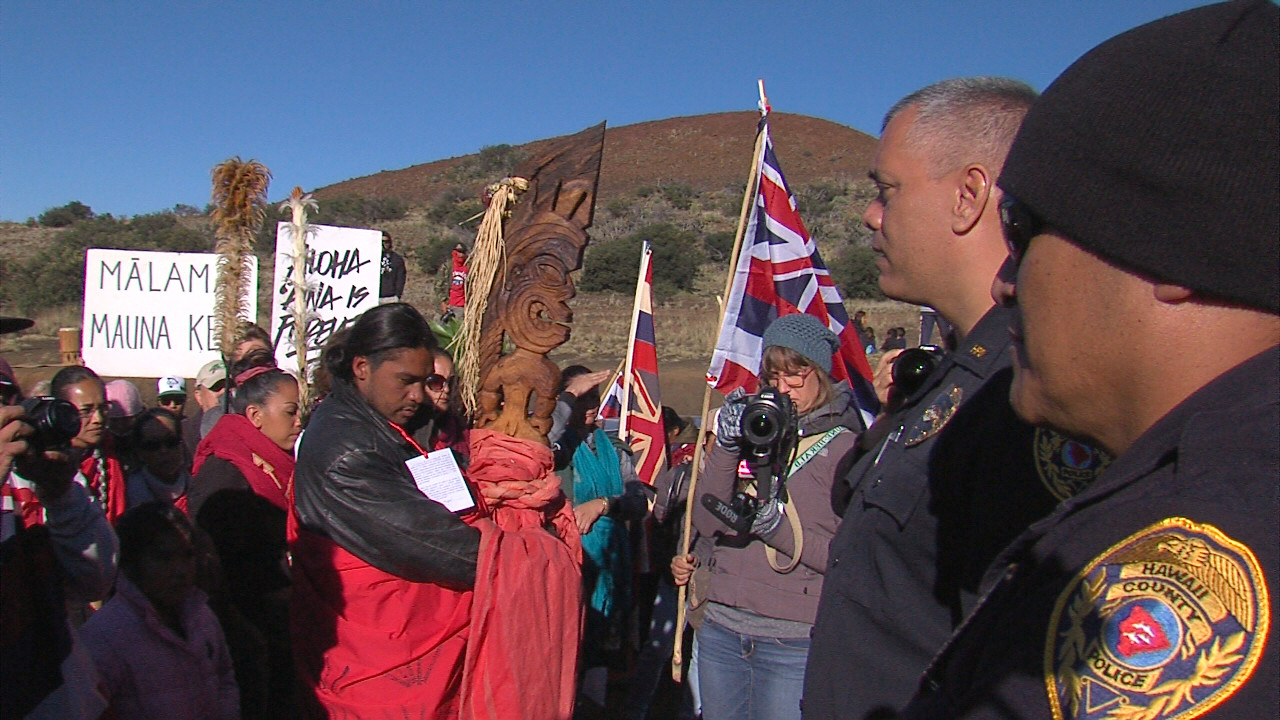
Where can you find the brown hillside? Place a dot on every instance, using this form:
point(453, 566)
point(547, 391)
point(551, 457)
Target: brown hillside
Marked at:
point(708, 152)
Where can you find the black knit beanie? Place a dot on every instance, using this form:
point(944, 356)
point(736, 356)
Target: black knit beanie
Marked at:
point(1159, 150)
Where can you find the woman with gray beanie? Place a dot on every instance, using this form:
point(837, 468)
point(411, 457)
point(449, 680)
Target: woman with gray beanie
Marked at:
point(765, 582)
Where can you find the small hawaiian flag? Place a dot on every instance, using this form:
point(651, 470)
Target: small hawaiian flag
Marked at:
point(780, 272)
point(640, 409)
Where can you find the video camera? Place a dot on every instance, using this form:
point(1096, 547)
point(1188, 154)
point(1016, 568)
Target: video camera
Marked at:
point(770, 432)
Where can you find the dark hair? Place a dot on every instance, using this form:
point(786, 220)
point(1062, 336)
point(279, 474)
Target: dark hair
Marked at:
point(376, 335)
point(148, 415)
point(140, 526)
point(672, 420)
point(73, 375)
point(570, 373)
point(585, 401)
point(258, 389)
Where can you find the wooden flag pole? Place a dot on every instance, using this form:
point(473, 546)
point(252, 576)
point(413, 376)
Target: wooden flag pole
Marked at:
point(631, 349)
point(748, 198)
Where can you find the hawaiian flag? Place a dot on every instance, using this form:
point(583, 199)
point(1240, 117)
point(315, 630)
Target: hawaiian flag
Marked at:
point(780, 272)
point(640, 410)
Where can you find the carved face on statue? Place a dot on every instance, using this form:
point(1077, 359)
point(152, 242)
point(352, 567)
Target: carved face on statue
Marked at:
point(540, 306)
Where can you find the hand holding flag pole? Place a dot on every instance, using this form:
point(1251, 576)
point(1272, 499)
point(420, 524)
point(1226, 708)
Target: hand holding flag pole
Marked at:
point(748, 197)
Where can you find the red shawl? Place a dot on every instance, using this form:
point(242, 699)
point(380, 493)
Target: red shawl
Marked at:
point(267, 468)
point(113, 495)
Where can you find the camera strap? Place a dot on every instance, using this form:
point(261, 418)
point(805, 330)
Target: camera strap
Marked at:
point(809, 447)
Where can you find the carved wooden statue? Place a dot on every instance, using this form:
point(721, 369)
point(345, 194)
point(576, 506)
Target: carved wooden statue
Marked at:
point(528, 305)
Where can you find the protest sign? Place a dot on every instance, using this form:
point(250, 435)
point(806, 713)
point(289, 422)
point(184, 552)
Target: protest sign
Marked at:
point(342, 275)
point(150, 314)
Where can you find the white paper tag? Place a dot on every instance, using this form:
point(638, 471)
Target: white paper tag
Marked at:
point(437, 475)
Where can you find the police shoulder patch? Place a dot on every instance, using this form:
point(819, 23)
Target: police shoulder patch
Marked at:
point(1066, 466)
point(935, 416)
point(1167, 623)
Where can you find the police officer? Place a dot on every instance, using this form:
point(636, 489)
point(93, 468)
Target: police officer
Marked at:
point(950, 478)
point(1142, 210)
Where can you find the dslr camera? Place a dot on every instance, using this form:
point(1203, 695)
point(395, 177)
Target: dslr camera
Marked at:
point(770, 432)
point(56, 422)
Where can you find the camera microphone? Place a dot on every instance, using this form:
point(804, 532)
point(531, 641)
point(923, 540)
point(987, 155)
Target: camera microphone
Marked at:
point(725, 513)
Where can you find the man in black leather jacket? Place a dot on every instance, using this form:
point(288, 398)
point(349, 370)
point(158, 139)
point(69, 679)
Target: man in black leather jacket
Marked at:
point(380, 570)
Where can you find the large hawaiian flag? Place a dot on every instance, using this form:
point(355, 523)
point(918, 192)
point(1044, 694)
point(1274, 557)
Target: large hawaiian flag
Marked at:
point(779, 272)
point(634, 395)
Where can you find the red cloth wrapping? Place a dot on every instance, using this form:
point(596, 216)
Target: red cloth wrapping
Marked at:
point(522, 658)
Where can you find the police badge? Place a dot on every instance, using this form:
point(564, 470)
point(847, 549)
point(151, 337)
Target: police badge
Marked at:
point(1168, 623)
point(1066, 466)
point(935, 416)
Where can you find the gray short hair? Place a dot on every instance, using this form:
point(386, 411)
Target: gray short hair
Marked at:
point(965, 120)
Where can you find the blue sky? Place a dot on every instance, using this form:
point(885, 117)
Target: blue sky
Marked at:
point(126, 106)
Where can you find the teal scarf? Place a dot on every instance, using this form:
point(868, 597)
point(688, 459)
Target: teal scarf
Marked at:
point(606, 572)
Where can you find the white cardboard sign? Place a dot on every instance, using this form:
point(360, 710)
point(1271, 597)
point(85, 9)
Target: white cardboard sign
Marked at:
point(342, 275)
point(150, 314)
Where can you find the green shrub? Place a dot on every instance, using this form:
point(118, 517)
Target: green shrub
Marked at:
point(619, 206)
point(854, 272)
point(719, 245)
point(433, 256)
point(55, 275)
point(677, 254)
point(818, 198)
point(68, 214)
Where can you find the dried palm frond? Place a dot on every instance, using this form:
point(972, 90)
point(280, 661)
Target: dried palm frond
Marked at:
point(487, 260)
point(300, 230)
point(239, 206)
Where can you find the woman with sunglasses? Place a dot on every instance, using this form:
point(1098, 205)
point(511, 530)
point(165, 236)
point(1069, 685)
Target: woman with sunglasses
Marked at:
point(160, 472)
point(240, 496)
point(765, 582)
point(448, 424)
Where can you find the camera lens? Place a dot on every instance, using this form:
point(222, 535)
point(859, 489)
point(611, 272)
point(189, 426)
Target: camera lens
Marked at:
point(912, 367)
point(761, 426)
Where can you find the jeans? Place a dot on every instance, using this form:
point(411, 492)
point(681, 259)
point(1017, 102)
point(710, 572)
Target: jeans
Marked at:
point(744, 677)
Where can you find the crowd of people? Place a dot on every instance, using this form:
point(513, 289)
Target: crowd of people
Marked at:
point(1072, 514)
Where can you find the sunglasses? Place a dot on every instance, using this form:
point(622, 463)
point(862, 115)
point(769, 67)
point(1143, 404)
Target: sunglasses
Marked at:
point(165, 443)
point(1019, 225)
point(436, 382)
point(173, 400)
point(8, 392)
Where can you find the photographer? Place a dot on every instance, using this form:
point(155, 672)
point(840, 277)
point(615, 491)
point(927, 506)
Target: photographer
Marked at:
point(765, 581)
point(66, 553)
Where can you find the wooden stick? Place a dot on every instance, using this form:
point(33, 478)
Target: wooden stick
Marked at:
point(631, 348)
point(748, 200)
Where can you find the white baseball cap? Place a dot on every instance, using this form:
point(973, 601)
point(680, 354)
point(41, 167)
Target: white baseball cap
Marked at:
point(171, 386)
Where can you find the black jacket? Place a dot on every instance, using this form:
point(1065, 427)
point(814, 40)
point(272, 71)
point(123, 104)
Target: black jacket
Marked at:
point(930, 506)
point(1158, 578)
point(353, 487)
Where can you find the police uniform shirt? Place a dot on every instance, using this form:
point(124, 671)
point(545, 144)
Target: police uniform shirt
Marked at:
point(956, 479)
point(1147, 595)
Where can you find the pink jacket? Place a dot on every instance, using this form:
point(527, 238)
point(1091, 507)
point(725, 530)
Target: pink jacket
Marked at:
point(148, 671)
